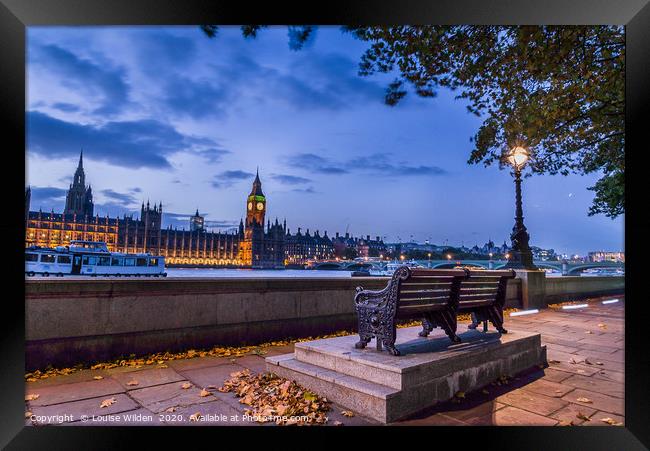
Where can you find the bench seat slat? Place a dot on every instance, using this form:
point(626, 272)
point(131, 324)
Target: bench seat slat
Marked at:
point(424, 294)
point(475, 303)
point(424, 300)
point(489, 291)
point(471, 297)
point(409, 310)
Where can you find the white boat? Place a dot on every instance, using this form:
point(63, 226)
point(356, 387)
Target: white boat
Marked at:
point(390, 267)
point(90, 258)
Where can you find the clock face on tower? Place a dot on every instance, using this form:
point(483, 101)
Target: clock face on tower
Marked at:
point(260, 206)
point(250, 206)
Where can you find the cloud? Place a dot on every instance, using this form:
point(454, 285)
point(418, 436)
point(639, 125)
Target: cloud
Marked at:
point(213, 154)
point(131, 144)
point(182, 220)
point(229, 178)
point(378, 164)
point(315, 163)
point(65, 107)
point(115, 209)
point(289, 179)
point(123, 199)
point(47, 198)
point(101, 82)
point(194, 98)
point(309, 190)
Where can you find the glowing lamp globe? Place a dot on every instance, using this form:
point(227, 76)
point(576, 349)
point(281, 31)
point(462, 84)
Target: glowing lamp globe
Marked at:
point(518, 157)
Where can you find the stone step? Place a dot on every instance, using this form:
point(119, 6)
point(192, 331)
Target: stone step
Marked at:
point(387, 388)
point(423, 359)
point(367, 398)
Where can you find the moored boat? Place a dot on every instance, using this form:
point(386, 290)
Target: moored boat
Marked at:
point(91, 258)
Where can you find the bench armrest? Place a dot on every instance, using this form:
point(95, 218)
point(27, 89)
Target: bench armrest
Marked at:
point(373, 298)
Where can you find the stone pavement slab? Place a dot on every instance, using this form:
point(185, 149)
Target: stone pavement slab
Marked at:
point(598, 401)
point(512, 416)
point(161, 397)
point(57, 394)
point(147, 378)
point(76, 410)
point(532, 402)
point(570, 413)
point(594, 384)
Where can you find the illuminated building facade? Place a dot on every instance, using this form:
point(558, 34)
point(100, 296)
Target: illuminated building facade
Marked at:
point(251, 245)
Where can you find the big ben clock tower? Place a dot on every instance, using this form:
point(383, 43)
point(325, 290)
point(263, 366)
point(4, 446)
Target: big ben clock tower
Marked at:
point(251, 249)
point(256, 204)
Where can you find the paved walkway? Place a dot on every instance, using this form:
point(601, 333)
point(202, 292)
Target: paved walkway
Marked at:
point(583, 385)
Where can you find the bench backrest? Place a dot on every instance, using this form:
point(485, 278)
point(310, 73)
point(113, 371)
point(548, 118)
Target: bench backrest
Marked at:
point(483, 288)
point(428, 287)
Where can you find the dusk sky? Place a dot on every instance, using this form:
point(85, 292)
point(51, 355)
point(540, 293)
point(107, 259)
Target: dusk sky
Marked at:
point(166, 114)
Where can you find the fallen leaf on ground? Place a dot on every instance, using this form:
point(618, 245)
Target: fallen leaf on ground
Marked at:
point(588, 362)
point(602, 326)
point(170, 409)
point(337, 423)
point(160, 362)
point(582, 416)
point(588, 332)
point(211, 387)
point(186, 385)
point(204, 393)
point(573, 361)
point(585, 400)
point(163, 366)
point(133, 382)
point(107, 402)
point(195, 416)
point(566, 423)
point(28, 414)
point(554, 361)
point(599, 363)
point(485, 392)
point(611, 421)
point(460, 394)
point(31, 397)
point(347, 413)
point(98, 378)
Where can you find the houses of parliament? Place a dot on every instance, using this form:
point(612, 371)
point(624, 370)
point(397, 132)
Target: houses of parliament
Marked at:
point(252, 245)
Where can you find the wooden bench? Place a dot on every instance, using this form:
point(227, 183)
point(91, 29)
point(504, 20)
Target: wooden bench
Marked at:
point(483, 295)
point(435, 296)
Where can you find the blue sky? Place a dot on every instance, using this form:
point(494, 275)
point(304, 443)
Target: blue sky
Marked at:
point(166, 114)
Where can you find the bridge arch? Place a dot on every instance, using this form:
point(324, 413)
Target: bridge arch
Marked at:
point(328, 265)
point(580, 268)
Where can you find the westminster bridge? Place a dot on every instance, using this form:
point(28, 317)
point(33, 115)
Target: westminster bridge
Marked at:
point(567, 268)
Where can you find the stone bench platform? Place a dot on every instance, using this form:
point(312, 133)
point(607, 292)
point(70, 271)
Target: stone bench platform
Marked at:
point(387, 388)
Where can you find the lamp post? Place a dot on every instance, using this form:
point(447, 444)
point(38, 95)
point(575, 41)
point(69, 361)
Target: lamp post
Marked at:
point(522, 257)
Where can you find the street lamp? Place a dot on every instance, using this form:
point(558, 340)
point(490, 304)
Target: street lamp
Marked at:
point(522, 257)
point(429, 254)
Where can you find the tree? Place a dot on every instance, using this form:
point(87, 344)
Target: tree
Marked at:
point(558, 90)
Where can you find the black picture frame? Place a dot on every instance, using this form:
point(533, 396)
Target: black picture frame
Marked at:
point(16, 15)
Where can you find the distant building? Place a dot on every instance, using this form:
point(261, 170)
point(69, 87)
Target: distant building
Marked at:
point(79, 199)
point(604, 256)
point(251, 245)
point(543, 254)
point(301, 248)
point(196, 222)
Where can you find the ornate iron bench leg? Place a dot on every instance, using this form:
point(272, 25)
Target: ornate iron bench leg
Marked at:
point(389, 342)
point(475, 321)
point(495, 314)
point(427, 327)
